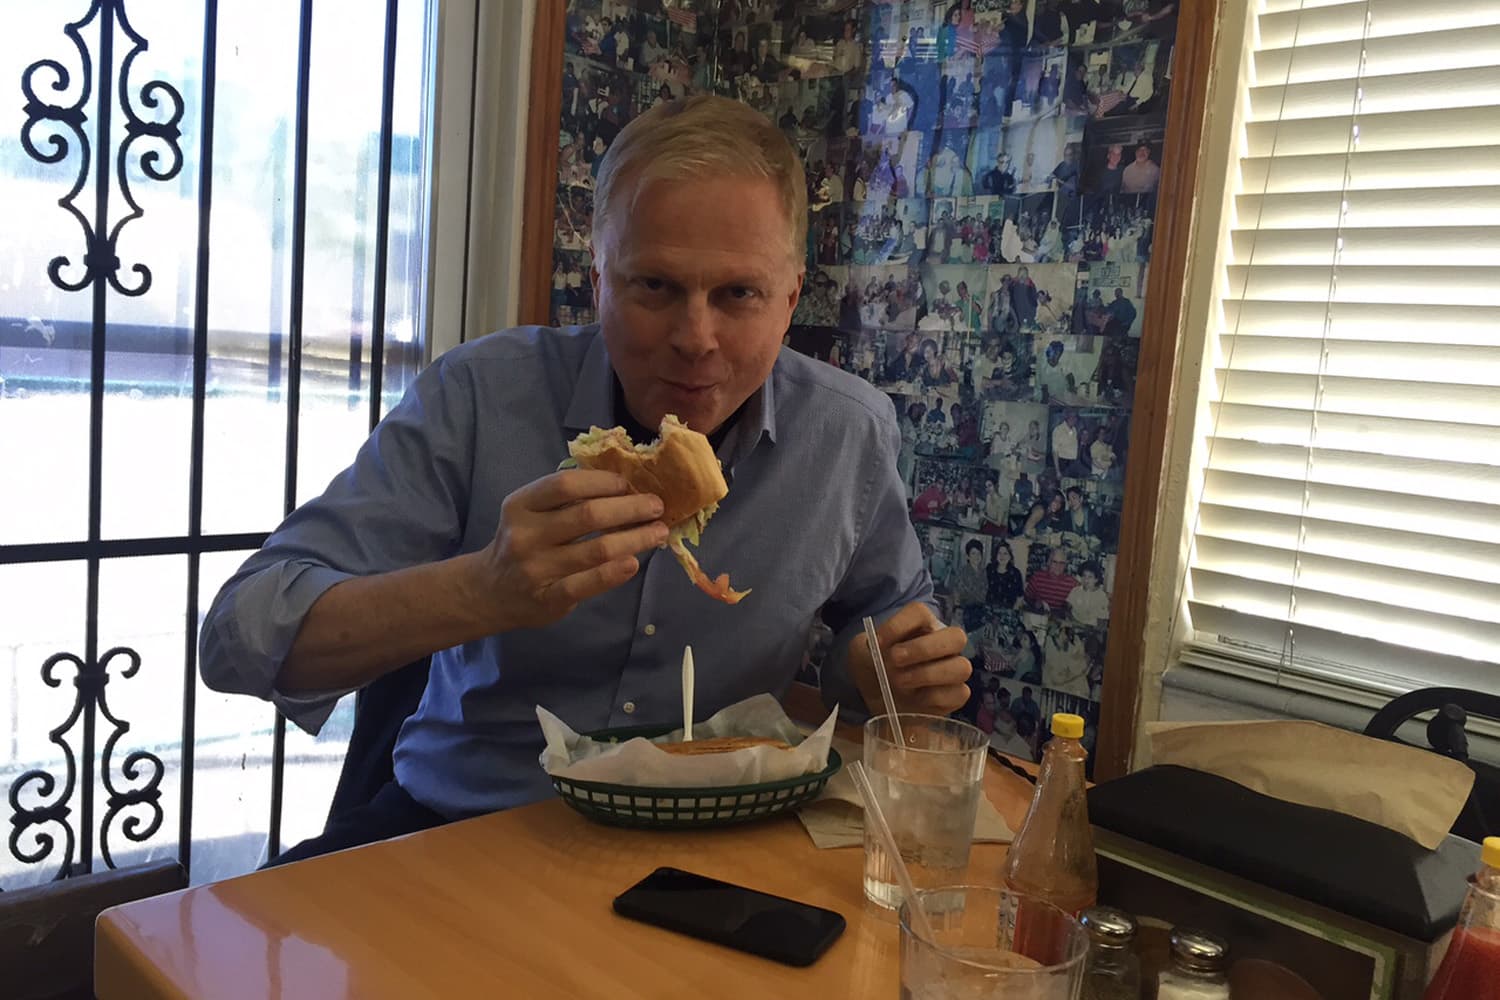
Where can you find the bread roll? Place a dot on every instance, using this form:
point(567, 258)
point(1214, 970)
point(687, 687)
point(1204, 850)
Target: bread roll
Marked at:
point(722, 744)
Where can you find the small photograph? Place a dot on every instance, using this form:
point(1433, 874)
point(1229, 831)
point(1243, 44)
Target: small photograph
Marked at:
point(890, 104)
point(572, 218)
point(967, 230)
point(1003, 25)
point(1017, 715)
point(960, 82)
point(653, 90)
point(1083, 371)
point(968, 584)
point(1088, 443)
point(1113, 228)
point(653, 41)
point(885, 167)
point(596, 102)
point(888, 296)
point(943, 427)
point(920, 363)
point(1013, 441)
point(858, 352)
point(822, 295)
point(955, 297)
point(1002, 369)
point(951, 493)
point(570, 281)
point(887, 232)
point(824, 233)
point(1123, 157)
point(817, 342)
point(1126, 78)
point(1030, 298)
point(573, 316)
point(593, 32)
point(1067, 368)
point(1049, 26)
point(1110, 299)
point(1039, 85)
point(1038, 151)
point(826, 162)
point(825, 44)
point(884, 33)
point(766, 64)
point(999, 70)
point(945, 174)
point(991, 166)
point(806, 109)
point(940, 551)
point(734, 51)
point(1147, 19)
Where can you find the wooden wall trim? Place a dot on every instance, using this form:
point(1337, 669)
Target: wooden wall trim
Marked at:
point(542, 125)
point(1156, 377)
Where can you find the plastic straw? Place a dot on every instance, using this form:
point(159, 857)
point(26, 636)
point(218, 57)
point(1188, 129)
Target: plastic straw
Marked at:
point(875, 818)
point(687, 693)
point(885, 682)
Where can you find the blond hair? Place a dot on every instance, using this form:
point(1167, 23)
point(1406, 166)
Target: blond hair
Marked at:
point(703, 136)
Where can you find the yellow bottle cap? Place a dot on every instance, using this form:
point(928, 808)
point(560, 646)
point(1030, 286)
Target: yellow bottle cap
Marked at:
point(1490, 854)
point(1070, 727)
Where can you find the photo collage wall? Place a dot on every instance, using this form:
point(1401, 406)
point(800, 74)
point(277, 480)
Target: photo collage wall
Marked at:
point(982, 179)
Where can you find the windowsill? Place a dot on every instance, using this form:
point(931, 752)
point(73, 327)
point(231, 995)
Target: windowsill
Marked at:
point(1201, 686)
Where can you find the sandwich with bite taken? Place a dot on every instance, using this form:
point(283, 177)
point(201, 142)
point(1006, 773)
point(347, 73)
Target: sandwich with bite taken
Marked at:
point(679, 467)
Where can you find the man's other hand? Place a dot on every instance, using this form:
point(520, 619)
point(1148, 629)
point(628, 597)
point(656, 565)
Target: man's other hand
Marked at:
point(563, 539)
point(924, 659)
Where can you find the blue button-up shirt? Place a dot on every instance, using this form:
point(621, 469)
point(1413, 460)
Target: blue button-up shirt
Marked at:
point(816, 517)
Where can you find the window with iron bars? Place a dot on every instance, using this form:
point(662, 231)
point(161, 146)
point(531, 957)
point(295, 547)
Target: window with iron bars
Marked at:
point(213, 262)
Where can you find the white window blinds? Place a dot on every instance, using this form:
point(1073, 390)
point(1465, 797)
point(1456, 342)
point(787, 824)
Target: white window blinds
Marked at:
point(1349, 524)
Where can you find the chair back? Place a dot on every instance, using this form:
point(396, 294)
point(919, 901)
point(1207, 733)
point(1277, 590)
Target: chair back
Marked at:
point(380, 709)
point(47, 931)
point(1446, 735)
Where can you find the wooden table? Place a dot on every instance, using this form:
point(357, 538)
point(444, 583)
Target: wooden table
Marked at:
point(514, 904)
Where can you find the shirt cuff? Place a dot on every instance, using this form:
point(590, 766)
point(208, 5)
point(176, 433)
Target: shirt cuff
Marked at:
point(252, 640)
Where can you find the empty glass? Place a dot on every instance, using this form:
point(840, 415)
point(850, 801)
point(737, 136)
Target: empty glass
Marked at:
point(990, 944)
point(929, 791)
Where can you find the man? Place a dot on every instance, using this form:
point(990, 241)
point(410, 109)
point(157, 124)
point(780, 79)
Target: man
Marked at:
point(999, 179)
point(1122, 315)
point(1141, 176)
point(452, 535)
point(1065, 445)
point(1049, 587)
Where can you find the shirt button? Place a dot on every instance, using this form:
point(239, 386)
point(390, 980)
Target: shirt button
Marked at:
point(629, 707)
point(650, 630)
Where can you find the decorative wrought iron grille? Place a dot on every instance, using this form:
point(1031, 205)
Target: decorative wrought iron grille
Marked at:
point(102, 130)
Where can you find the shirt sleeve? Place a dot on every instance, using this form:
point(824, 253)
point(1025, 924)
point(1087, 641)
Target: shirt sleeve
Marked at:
point(886, 574)
point(401, 503)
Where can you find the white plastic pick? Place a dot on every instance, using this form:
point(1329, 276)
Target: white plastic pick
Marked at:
point(687, 693)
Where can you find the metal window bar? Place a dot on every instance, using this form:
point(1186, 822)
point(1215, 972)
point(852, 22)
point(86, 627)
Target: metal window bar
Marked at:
point(101, 267)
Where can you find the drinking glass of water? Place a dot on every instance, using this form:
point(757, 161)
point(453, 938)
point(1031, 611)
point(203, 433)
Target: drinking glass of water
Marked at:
point(990, 944)
point(929, 791)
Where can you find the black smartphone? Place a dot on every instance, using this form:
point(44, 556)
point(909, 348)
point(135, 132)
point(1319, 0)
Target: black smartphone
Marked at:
point(773, 927)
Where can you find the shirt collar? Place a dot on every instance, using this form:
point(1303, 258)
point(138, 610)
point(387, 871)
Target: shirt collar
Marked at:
point(592, 405)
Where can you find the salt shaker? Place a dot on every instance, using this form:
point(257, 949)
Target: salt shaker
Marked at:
point(1114, 971)
point(1199, 969)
